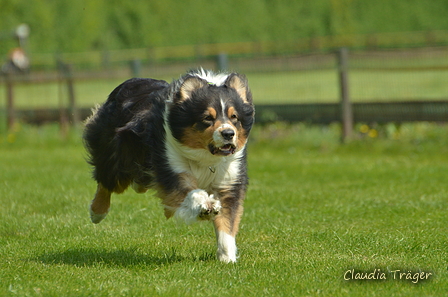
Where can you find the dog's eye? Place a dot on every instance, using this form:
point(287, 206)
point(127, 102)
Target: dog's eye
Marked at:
point(234, 117)
point(209, 118)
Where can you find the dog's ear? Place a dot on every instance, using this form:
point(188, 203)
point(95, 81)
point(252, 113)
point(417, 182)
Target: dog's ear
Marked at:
point(190, 85)
point(239, 83)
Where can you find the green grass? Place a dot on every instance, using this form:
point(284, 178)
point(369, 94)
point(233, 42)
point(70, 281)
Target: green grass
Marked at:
point(314, 210)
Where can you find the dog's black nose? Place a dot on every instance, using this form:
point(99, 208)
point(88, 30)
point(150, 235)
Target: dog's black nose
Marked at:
point(227, 134)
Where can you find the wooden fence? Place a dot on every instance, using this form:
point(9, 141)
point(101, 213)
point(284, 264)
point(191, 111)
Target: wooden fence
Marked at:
point(365, 112)
point(322, 113)
point(344, 111)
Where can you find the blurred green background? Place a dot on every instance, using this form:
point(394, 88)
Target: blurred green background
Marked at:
point(73, 26)
point(287, 49)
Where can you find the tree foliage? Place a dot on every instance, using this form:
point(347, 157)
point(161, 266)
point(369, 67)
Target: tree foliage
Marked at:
point(70, 26)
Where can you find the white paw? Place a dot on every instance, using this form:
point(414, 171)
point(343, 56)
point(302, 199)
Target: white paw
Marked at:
point(95, 217)
point(209, 208)
point(198, 205)
point(226, 247)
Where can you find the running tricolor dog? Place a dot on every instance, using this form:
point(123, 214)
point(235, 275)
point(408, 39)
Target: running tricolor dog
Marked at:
point(187, 140)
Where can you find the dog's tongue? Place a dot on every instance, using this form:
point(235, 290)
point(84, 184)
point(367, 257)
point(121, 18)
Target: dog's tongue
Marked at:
point(227, 149)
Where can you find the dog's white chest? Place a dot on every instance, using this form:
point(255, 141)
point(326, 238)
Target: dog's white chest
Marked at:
point(215, 176)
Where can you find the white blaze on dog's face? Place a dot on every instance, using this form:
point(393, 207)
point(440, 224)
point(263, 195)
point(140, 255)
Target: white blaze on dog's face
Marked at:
point(211, 117)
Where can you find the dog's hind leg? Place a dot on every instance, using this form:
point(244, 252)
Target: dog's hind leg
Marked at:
point(100, 205)
point(139, 188)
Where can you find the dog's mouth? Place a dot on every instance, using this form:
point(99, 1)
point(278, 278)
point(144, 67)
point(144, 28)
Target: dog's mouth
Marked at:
point(224, 150)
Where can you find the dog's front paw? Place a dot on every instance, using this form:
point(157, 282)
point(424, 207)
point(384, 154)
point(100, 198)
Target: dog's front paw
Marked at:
point(198, 205)
point(209, 208)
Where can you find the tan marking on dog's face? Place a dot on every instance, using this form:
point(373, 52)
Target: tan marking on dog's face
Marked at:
point(242, 139)
point(196, 139)
point(234, 119)
point(211, 112)
point(232, 114)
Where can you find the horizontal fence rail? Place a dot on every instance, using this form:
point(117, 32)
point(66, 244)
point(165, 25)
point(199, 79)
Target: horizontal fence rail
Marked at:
point(322, 113)
point(365, 112)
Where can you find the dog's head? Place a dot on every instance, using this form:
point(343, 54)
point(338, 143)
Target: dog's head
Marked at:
point(212, 112)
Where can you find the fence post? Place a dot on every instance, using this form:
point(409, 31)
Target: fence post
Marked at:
point(346, 105)
point(66, 72)
point(10, 112)
point(136, 67)
point(105, 59)
point(73, 109)
point(222, 62)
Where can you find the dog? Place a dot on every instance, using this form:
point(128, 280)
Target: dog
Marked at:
point(187, 140)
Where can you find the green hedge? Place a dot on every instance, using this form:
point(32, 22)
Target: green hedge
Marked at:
point(73, 26)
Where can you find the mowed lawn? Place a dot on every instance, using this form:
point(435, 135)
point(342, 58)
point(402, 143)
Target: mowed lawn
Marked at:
point(315, 210)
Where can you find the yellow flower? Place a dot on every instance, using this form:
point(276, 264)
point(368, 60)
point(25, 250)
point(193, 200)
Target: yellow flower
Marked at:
point(364, 129)
point(373, 133)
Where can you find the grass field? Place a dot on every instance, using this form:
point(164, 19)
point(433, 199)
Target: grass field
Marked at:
point(315, 210)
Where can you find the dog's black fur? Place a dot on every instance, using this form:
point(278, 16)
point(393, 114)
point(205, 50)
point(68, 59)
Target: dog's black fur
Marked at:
point(128, 139)
point(127, 134)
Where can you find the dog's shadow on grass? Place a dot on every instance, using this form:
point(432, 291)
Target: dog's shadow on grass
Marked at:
point(117, 258)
